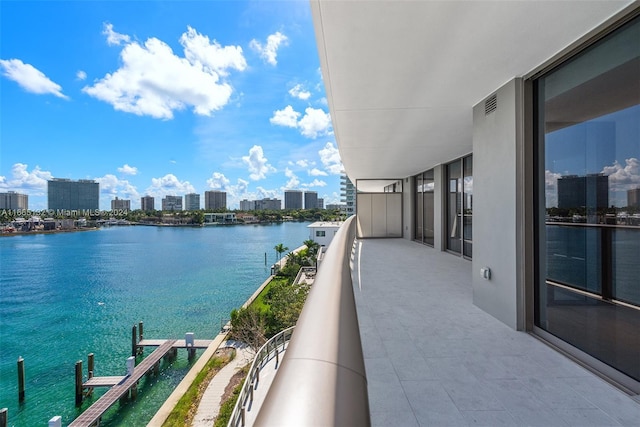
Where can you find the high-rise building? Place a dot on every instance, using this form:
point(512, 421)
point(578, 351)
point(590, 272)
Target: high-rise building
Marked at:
point(591, 191)
point(65, 194)
point(215, 199)
point(12, 200)
point(192, 202)
point(348, 193)
point(268, 204)
point(147, 204)
point(336, 206)
point(633, 197)
point(320, 203)
point(247, 205)
point(310, 199)
point(172, 203)
point(292, 199)
point(120, 204)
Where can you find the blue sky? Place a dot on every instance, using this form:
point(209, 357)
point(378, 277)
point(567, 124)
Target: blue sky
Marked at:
point(164, 98)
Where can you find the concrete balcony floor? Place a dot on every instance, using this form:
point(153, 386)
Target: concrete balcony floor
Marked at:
point(435, 359)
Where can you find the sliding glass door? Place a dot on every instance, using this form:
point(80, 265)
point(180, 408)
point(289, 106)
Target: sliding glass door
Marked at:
point(424, 212)
point(588, 225)
point(460, 206)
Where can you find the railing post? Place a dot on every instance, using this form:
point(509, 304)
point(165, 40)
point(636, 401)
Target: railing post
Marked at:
point(606, 262)
point(242, 417)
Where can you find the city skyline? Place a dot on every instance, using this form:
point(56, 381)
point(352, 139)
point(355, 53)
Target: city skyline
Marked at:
point(160, 98)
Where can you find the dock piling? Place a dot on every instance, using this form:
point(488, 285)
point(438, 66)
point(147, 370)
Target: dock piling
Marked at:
point(134, 391)
point(55, 421)
point(90, 364)
point(189, 341)
point(140, 337)
point(79, 387)
point(134, 343)
point(20, 379)
point(3, 417)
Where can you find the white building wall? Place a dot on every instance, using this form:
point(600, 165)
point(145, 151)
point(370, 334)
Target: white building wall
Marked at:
point(329, 232)
point(495, 139)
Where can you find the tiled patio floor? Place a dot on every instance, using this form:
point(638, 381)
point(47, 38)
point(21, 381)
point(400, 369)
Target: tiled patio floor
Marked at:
point(435, 359)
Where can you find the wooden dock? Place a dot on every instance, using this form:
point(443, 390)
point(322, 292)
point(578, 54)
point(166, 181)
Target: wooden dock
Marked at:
point(177, 343)
point(91, 416)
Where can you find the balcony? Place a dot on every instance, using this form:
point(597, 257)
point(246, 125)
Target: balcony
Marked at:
point(430, 356)
point(433, 358)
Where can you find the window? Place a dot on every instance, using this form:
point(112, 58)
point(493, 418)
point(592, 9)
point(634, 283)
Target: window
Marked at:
point(424, 208)
point(320, 233)
point(588, 221)
point(460, 206)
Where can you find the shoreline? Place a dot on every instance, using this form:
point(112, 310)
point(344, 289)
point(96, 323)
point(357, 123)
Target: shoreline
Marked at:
point(162, 414)
point(36, 232)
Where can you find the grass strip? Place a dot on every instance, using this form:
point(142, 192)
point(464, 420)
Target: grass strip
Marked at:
point(186, 408)
point(226, 409)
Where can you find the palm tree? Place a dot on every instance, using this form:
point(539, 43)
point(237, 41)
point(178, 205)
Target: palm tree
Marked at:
point(280, 249)
point(312, 245)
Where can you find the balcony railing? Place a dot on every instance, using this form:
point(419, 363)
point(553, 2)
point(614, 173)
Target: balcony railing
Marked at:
point(596, 259)
point(268, 351)
point(322, 379)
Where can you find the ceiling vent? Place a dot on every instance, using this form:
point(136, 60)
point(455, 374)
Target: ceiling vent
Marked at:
point(490, 104)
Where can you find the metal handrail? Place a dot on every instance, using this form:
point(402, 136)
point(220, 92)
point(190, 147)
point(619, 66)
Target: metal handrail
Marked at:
point(322, 379)
point(266, 353)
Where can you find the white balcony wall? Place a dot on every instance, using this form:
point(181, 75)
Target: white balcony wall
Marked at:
point(495, 139)
point(379, 215)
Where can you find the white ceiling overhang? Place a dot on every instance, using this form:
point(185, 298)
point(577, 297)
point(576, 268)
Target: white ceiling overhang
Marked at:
point(402, 77)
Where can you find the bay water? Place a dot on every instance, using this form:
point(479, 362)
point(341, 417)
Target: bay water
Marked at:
point(65, 295)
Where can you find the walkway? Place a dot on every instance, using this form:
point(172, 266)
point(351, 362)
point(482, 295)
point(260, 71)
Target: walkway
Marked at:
point(211, 400)
point(434, 358)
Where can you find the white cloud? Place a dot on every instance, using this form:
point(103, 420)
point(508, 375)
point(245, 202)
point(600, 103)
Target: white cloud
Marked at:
point(287, 117)
point(257, 163)
point(315, 183)
point(128, 170)
point(81, 75)
point(113, 38)
point(169, 185)
point(269, 51)
point(235, 192)
point(242, 186)
point(30, 78)
point(218, 181)
point(211, 55)
point(302, 163)
point(623, 178)
point(314, 123)
point(293, 182)
point(113, 186)
point(34, 182)
point(330, 158)
point(298, 92)
point(317, 172)
point(263, 193)
point(153, 81)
